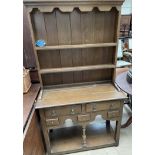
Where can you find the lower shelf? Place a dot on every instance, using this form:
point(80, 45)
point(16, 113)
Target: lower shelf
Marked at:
point(69, 139)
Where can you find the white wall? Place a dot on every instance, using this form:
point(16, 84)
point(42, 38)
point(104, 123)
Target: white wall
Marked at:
point(126, 7)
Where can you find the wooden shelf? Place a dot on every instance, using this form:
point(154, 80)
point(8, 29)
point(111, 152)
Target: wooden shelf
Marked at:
point(98, 136)
point(59, 47)
point(78, 68)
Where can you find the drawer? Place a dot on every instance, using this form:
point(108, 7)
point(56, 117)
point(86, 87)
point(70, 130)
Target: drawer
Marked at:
point(84, 117)
point(63, 110)
point(112, 114)
point(52, 122)
point(98, 106)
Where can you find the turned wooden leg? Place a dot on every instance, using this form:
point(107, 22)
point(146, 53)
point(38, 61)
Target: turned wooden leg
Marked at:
point(84, 135)
point(117, 132)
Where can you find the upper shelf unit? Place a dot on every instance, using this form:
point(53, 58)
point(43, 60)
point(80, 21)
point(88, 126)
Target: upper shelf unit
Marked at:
point(81, 39)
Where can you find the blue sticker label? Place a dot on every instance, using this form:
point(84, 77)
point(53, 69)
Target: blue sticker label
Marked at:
point(40, 43)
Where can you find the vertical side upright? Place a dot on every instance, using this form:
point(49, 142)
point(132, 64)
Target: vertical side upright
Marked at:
point(45, 131)
point(118, 124)
point(33, 42)
point(116, 39)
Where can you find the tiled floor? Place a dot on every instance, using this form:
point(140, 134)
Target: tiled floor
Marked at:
point(125, 145)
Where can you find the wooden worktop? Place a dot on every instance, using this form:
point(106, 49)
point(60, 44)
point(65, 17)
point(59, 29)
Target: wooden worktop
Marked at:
point(79, 94)
point(28, 102)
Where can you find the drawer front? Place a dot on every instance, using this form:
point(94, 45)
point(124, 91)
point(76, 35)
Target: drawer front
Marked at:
point(92, 107)
point(62, 119)
point(52, 122)
point(61, 111)
point(84, 117)
point(113, 114)
point(102, 113)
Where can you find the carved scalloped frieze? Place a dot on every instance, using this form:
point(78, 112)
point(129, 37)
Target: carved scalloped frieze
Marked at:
point(85, 8)
point(82, 8)
point(66, 8)
point(46, 8)
point(118, 8)
point(29, 9)
point(104, 8)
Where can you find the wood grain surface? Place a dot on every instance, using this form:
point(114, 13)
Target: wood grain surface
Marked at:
point(75, 95)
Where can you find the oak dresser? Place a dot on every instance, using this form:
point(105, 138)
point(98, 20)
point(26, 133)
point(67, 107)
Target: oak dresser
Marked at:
point(79, 105)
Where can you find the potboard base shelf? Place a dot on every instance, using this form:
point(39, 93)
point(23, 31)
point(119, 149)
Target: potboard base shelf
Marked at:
point(69, 140)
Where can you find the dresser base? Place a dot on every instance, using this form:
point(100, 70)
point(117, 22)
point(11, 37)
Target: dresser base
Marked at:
point(82, 105)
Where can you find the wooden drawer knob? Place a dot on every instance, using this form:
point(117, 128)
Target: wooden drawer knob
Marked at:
point(111, 105)
point(54, 113)
point(72, 111)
